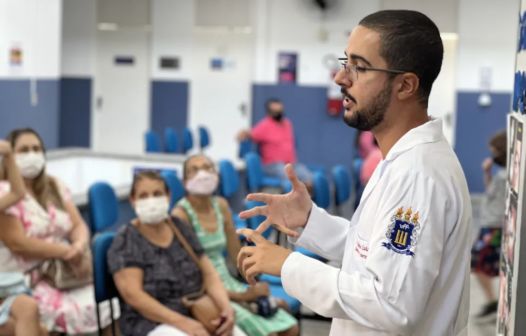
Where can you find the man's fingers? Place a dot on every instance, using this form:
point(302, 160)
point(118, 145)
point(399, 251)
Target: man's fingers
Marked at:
point(245, 252)
point(257, 211)
point(286, 231)
point(293, 178)
point(250, 275)
point(261, 197)
point(247, 264)
point(263, 226)
point(252, 235)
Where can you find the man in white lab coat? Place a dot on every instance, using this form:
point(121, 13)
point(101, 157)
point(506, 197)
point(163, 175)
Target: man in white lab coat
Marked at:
point(405, 254)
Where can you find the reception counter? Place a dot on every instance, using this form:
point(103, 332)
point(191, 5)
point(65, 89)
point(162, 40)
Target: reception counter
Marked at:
point(79, 168)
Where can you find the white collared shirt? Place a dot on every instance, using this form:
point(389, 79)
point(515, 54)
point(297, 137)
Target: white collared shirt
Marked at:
point(405, 254)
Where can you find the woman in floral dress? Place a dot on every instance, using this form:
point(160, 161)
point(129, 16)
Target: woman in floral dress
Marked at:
point(45, 225)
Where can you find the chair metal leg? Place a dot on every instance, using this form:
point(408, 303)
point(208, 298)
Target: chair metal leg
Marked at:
point(98, 319)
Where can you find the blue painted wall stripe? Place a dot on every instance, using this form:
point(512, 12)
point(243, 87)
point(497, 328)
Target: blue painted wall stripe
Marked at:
point(16, 110)
point(474, 127)
point(169, 106)
point(75, 112)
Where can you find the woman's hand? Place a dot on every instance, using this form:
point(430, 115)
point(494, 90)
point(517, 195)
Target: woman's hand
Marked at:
point(76, 254)
point(191, 327)
point(226, 328)
point(260, 289)
point(5, 147)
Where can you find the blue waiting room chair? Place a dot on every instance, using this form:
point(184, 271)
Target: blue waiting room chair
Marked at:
point(256, 179)
point(103, 284)
point(342, 186)
point(103, 207)
point(171, 140)
point(153, 143)
point(204, 138)
point(187, 140)
point(176, 187)
point(229, 184)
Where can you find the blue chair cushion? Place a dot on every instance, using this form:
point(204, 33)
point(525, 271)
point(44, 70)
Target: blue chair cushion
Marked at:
point(102, 280)
point(322, 196)
point(240, 224)
point(153, 143)
point(103, 206)
point(171, 141)
point(204, 137)
point(342, 184)
point(317, 168)
point(279, 292)
point(176, 187)
point(308, 253)
point(229, 178)
point(272, 280)
point(188, 141)
point(268, 181)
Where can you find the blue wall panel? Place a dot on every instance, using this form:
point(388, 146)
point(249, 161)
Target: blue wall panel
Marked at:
point(323, 139)
point(169, 106)
point(75, 112)
point(16, 110)
point(474, 127)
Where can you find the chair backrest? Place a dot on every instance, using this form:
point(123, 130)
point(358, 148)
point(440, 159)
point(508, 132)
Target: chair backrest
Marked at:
point(188, 141)
point(171, 141)
point(103, 206)
point(322, 196)
point(357, 167)
point(342, 184)
point(175, 185)
point(245, 147)
point(204, 137)
point(254, 171)
point(102, 280)
point(254, 222)
point(229, 178)
point(153, 143)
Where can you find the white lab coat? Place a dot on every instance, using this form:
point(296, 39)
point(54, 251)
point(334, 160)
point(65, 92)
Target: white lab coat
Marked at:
point(412, 280)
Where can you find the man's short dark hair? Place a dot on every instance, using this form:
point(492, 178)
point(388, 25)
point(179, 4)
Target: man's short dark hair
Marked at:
point(271, 101)
point(410, 42)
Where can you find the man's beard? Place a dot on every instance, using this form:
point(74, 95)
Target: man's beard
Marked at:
point(372, 115)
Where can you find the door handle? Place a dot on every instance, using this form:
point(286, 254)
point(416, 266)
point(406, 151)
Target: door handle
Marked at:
point(243, 109)
point(100, 103)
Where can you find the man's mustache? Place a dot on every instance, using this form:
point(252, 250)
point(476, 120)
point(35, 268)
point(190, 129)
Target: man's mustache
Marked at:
point(347, 95)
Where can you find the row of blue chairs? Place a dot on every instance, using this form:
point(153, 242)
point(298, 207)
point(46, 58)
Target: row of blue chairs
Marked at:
point(172, 143)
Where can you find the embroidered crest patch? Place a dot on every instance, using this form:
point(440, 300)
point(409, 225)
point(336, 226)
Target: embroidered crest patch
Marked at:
point(402, 233)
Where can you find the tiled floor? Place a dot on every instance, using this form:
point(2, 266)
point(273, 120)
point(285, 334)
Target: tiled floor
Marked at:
point(315, 328)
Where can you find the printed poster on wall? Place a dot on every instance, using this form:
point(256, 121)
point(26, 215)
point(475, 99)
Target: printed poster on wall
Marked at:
point(287, 67)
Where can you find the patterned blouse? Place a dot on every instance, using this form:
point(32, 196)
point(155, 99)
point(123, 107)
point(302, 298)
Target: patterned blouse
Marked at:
point(169, 273)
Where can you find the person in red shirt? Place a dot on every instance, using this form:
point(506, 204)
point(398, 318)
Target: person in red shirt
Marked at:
point(275, 138)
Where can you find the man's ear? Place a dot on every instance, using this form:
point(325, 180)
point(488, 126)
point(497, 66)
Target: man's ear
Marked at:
point(408, 85)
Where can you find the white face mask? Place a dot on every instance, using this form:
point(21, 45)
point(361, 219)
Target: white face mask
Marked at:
point(152, 210)
point(30, 164)
point(202, 184)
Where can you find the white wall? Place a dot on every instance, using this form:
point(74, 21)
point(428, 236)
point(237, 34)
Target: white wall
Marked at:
point(34, 25)
point(172, 27)
point(487, 38)
point(79, 38)
point(294, 25)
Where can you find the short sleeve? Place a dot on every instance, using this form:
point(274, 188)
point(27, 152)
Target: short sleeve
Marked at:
point(64, 190)
point(190, 236)
point(258, 132)
point(125, 251)
point(14, 210)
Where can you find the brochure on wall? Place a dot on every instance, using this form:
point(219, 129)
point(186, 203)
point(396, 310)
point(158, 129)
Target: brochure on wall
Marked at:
point(512, 297)
point(287, 67)
point(512, 300)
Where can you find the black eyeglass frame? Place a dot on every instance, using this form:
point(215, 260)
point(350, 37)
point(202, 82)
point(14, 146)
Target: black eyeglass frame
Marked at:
point(344, 64)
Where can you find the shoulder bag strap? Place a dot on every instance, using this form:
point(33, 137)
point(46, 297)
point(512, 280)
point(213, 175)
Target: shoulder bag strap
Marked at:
point(190, 251)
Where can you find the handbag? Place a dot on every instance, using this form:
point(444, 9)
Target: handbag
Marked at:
point(58, 274)
point(201, 306)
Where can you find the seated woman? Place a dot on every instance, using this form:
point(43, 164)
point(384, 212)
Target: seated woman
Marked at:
point(153, 271)
point(212, 221)
point(19, 314)
point(46, 225)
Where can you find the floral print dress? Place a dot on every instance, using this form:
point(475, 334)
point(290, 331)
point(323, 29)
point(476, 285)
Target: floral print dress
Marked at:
point(69, 311)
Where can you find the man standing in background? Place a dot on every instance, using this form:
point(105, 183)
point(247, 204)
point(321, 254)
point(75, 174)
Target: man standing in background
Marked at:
point(275, 137)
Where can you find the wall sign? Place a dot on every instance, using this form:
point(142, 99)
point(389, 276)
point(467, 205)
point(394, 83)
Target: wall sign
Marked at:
point(287, 67)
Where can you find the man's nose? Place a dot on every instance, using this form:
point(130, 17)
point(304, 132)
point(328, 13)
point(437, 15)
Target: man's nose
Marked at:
point(342, 79)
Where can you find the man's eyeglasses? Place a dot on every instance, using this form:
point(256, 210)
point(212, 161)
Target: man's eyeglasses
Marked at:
point(352, 70)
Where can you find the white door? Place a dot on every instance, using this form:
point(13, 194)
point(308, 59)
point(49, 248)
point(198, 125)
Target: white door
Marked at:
point(122, 101)
point(442, 102)
point(221, 99)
